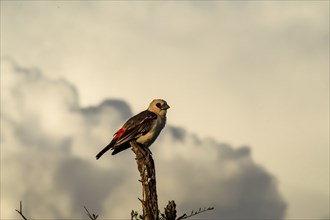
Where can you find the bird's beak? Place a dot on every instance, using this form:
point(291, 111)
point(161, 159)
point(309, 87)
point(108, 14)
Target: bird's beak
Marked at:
point(165, 106)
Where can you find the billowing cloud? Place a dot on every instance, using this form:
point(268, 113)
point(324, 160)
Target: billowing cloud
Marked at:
point(48, 148)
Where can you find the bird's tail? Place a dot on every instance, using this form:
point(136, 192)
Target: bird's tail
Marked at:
point(108, 147)
point(120, 148)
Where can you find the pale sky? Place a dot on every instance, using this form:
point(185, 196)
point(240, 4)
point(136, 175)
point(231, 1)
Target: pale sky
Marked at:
point(249, 73)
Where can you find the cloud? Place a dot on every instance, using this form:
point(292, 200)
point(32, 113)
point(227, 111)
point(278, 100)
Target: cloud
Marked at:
point(48, 148)
point(213, 173)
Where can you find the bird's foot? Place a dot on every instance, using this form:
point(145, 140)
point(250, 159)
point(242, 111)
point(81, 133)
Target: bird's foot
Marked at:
point(143, 150)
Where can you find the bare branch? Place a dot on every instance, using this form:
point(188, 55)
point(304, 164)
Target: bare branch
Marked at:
point(147, 171)
point(20, 211)
point(93, 216)
point(193, 213)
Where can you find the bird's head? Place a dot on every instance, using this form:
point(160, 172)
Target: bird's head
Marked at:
point(159, 106)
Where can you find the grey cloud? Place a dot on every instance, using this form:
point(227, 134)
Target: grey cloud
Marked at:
point(178, 133)
point(85, 183)
point(119, 105)
point(231, 181)
point(48, 160)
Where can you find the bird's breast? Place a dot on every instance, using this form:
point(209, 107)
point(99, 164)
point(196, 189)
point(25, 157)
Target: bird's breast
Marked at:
point(148, 138)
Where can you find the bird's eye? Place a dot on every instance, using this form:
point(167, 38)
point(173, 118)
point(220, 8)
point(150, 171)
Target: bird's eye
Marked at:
point(158, 105)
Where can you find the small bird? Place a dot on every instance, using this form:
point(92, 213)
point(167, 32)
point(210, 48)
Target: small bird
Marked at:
point(143, 128)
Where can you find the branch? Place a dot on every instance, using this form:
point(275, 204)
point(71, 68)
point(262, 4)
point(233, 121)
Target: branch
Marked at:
point(147, 171)
point(20, 211)
point(93, 216)
point(193, 213)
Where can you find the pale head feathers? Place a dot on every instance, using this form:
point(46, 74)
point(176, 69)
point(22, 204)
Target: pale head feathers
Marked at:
point(159, 106)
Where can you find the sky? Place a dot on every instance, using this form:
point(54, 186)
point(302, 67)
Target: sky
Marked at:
point(248, 86)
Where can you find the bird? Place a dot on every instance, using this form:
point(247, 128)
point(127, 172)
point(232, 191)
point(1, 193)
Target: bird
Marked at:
point(143, 128)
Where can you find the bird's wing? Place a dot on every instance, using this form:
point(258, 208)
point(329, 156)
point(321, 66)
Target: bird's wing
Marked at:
point(135, 127)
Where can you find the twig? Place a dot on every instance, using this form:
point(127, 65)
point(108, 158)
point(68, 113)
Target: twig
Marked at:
point(20, 211)
point(93, 216)
point(193, 213)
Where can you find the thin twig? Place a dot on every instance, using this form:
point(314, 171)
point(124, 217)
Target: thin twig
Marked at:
point(20, 211)
point(193, 213)
point(93, 216)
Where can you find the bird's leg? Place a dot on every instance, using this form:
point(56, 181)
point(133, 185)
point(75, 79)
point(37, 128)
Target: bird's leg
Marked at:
point(144, 150)
point(141, 148)
point(148, 150)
